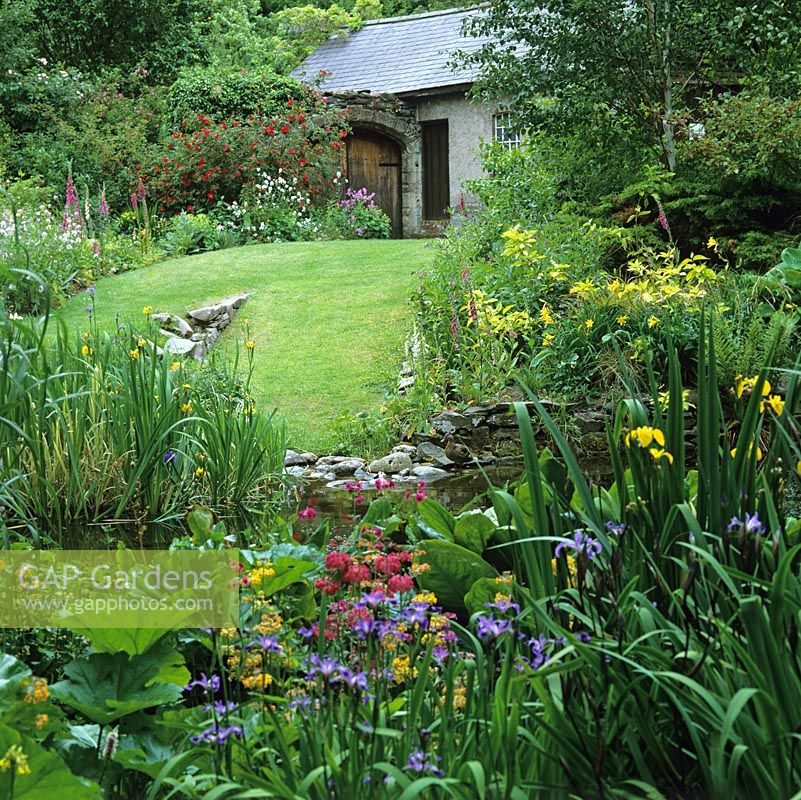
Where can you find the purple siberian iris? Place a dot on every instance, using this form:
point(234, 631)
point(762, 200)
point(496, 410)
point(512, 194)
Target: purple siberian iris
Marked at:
point(419, 762)
point(581, 544)
point(750, 525)
point(211, 684)
point(488, 627)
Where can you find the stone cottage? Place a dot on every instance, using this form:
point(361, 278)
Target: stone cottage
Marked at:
point(416, 136)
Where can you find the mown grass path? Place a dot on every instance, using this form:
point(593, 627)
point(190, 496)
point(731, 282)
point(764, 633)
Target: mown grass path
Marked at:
point(328, 318)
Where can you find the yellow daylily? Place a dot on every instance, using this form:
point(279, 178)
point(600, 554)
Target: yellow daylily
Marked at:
point(653, 321)
point(622, 319)
point(147, 310)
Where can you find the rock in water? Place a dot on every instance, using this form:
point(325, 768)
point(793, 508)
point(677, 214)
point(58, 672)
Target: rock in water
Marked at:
point(391, 464)
point(433, 452)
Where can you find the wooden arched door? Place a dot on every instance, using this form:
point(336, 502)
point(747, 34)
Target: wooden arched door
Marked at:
point(374, 162)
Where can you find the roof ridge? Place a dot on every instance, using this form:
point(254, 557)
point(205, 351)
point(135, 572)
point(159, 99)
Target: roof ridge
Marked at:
point(441, 13)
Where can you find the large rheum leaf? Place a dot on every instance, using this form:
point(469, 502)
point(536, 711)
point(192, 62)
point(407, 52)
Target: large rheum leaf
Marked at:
point(107, 686)
point(452, 571)
point(133, 641)
point(49, 775)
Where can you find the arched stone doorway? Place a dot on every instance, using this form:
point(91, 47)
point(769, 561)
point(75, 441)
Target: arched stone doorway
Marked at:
point(374, 161)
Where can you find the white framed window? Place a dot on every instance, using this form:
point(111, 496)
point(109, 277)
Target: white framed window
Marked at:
point(503, 133)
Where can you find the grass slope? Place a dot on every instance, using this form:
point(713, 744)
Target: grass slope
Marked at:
point(328, 318)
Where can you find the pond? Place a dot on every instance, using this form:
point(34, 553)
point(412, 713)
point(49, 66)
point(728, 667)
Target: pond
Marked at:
point(333, 504)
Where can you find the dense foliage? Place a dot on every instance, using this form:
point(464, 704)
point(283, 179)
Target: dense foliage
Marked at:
point(629, 641)
point(99, 427)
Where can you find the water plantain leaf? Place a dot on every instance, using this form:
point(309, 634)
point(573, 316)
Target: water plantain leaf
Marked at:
point(107, 686)
point(473, 530)
point(380, 509)
point(48, 776)
point(483, 591)
point(437, 517)
point(205, 525)
point(452, 571)
point(287, 572)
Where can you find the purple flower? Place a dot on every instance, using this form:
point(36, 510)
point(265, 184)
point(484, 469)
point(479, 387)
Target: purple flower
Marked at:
point(487, 627)
point(581, 543)
point(268, 643)
point(217, 735)
point(662, 218)
point(583, 637)
point(170, 457)
point(440, 653)
point(103, 204)
point(220, 707)
point(364, 627)
point(302, 702)
point(503, 606)
point(212, 683)
point(616, 527)
point(419, 762)
point(388, 628)
point(372, 599)
point(416, 614)
point(326, 667)
point(353, 680)
point(90, 290)
point(751, 525)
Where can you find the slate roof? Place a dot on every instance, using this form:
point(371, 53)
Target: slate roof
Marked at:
point(396, 55)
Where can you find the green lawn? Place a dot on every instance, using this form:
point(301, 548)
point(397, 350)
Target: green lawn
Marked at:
point(328, 318)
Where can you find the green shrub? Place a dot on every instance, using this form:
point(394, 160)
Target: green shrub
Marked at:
point(93, 131)
point(230, 94)
point(757, 250)
point(186, 233)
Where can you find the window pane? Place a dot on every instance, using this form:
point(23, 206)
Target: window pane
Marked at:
point(504, 133)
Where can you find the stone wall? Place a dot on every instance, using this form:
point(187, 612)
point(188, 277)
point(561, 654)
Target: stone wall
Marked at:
point(388, 115)
point(468, 124)
point(488, 434)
